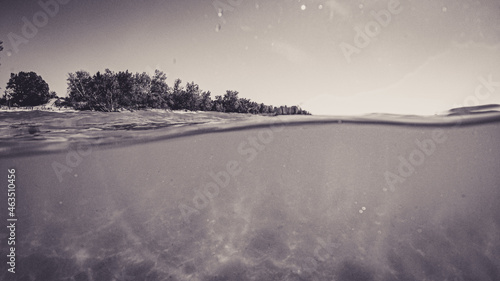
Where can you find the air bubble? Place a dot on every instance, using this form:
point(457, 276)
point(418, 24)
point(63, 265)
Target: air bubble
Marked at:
point(361, 6)
point(9, 53)
point(363, 208)
point(445, 9)
point(360, 211)
point(303, 7)
point(217, 28)
point(219, 13)
point(320, 7)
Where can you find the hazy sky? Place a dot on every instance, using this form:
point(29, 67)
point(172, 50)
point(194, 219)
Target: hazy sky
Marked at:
point(330, 56)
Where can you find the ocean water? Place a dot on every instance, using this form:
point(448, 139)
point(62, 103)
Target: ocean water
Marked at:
point(211, 196)
point(33, 132)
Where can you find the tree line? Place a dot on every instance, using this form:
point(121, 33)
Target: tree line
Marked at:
point(113, 91)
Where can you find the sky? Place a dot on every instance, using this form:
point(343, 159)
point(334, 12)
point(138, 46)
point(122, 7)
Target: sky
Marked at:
point(332, 57)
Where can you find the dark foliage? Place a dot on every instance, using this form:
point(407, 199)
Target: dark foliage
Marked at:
point(123, 90)
point(26, 89)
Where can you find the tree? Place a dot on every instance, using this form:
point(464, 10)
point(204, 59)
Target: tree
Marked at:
point(206, 101)
point(244, 105)
point(192, 96)
point(97, 88)
point(80, 93)
point(106, 90)
point(178, 96)
point(253, 108)
point(142, 89)
point(27, 89)
point(111, 89)
point(218, 104)
point(126, 85)
point(160, 92)
point(231, 101)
